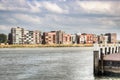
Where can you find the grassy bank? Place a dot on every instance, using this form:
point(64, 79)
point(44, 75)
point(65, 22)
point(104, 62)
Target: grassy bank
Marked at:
point(46, 45)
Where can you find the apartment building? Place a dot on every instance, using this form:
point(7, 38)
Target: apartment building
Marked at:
point(49, 37)
point(85, 38)
point(89, 38)
point(107, 38)
point(28, 37)
point(56, 37)
point(81, 38)
point(112, 37)
point(37, 37)
point(102, 39)
point(21, 36)
point(67, 39)
point(59, 36)
point(95, 38)
point(17, 35)
point(74, 38)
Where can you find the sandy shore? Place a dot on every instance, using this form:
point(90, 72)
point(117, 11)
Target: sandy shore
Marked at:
point(46, 45)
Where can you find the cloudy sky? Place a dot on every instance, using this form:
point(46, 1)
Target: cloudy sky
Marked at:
point(71, 16)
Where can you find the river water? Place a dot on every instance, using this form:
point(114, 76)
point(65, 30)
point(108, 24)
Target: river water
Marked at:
point(73, 63)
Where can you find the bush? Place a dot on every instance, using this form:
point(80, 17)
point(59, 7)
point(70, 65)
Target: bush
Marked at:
point(3, 38)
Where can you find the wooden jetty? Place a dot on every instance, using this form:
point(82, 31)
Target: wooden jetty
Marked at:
point(106, 59)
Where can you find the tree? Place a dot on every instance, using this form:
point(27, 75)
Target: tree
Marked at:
point(3, 38)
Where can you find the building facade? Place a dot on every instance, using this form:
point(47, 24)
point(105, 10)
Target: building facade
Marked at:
point(85, 38)
point(20, 36)
point(102, 39)
point(95, 38)
point(59, 36)
point(67, 39)
point(49, 37)
point(17, 35)
point(74, 38)
point(81, 38)
point(37, 37)
point(107, 38)
point(56, 37)
point(112, 37)
point(89, 38)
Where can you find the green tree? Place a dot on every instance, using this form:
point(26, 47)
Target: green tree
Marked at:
point(3, 38)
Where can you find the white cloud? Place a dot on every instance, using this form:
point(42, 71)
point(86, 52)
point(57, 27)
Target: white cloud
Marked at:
point(100, 7)
point(53, 7)
point(30, 6)
point(71, 20)
point(35, 7)
point(11, 20)
point(2, 7)
point(19, 5)
point(5, 28)
point(66, 15)
point(28, 18)
point(95, 6)
point(62, 0)
point(10, 5)
point(37, 4)
point(108, 22)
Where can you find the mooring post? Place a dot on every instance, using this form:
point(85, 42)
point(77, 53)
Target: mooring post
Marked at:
point(105, 51)
point(96, 62)
point(119, 49)
point(115, 49)
point(109, 50)
point(112, 50)
point(101, 63)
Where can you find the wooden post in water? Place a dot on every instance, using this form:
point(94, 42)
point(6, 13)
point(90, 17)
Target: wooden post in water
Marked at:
point(115, 49)
point(101, 63)
point(109, 50)
point(105, 51)
point(119, 49)
point(96, 62)
point(112, 50)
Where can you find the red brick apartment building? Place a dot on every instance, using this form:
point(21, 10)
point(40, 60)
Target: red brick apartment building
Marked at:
point(49, 37)
point(67, 39)
point(87, 38)
point(56, 37)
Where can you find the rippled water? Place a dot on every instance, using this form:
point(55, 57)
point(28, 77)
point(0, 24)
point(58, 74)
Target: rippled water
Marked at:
point(47, 64)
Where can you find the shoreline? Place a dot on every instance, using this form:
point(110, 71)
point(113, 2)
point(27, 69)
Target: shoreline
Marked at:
point(46, 45)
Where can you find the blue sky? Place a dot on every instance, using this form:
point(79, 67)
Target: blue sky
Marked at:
point(71, 16)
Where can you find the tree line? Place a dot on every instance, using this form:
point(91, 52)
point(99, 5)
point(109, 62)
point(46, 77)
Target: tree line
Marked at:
point(3, 38)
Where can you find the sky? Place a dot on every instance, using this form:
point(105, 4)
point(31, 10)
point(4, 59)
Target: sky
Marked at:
point(71, 16)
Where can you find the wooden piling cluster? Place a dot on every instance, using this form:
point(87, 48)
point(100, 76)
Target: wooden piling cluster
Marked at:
point(99, 53)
